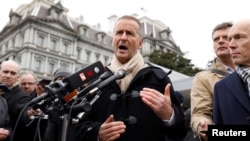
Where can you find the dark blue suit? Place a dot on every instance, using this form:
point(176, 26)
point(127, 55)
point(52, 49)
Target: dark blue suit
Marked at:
point(231, 101)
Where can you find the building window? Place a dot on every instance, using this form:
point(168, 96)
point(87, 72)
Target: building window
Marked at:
point(53, 44)
point(101, 37)
point(165, 34)
point(65, 48)
point(51, 68)
point(13, 43)
point(54, 14)
point(21, 39)
point(40, 40)
point(82, 31)
point(88, 56)
point(3, 48)
point(18, 59)
point(64, 65)
point(78, 53)
point(106, 60)
point(97, 57)
point(161, 48)
point(38, 65)
point(7, 46)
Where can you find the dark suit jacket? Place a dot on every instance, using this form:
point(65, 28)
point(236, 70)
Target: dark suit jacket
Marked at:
point(17, 100)
point(231, 101)
point(142, 124)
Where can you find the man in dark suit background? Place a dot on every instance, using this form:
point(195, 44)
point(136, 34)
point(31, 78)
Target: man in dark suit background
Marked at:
point(16, 99)
point(232, 94)
point(5, 127)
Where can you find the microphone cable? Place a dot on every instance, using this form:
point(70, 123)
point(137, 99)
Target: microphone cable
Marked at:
point(18, 120)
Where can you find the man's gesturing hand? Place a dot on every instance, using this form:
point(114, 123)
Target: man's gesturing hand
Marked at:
point(159, 103)
point(110, 130)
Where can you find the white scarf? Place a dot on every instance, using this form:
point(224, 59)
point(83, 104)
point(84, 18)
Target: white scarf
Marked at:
point(131, 67)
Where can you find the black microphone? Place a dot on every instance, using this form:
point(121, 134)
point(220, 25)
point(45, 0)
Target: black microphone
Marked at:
point(84, 75)
point(102, 77)
point(39, 98)
point(72, 82)
point(118, 75)
point(82, 107)
point(49, 93)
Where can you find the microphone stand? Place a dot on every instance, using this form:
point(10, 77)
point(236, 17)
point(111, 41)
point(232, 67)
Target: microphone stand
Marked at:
point(54, 132)
point(65, 126)
point(66, 117)
point(51, 133)
point(88, 104)
point(96, 97)
point(54, 119)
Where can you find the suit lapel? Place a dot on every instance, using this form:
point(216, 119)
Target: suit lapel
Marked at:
point(237, 88)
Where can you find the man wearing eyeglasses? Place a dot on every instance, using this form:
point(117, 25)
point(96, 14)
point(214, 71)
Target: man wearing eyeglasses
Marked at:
point(28, 82)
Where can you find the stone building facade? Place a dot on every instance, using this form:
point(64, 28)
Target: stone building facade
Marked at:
point(42, 37)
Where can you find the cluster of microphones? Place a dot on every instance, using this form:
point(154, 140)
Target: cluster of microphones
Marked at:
point(93, 77)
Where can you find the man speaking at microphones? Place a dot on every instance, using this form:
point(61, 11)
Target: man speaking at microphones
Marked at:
point(154, 115)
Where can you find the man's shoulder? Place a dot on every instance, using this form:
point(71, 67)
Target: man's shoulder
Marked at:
point(3, 103)
point(211, 71)
point(206, 76)
point(203, 73)
point(159, 72)
point(16, 90)
point(228, 79)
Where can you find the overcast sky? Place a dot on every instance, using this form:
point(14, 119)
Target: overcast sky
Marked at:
point(191, 21)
